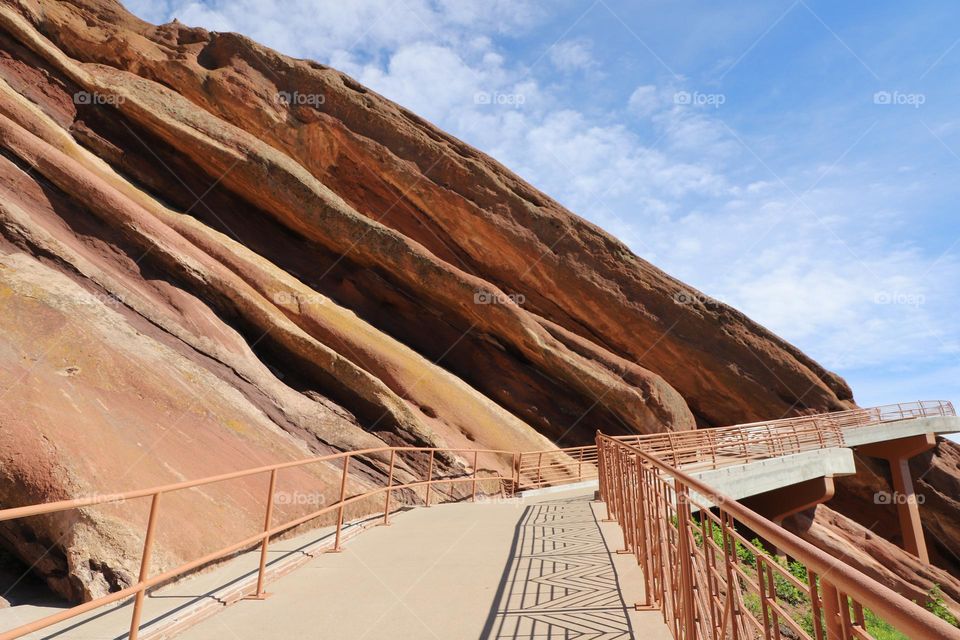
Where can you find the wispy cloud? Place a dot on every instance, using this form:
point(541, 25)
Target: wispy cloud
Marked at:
point(774, 158)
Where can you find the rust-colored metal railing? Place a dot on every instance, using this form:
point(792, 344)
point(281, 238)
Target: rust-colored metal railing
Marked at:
point(722, 446)
point(536, 469)
point(468, 475)
point(710, 582)
point(652, 460)
point(717, 447)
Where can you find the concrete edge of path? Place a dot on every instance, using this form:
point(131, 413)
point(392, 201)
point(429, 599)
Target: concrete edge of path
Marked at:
point(169, 613)
point(168, 626)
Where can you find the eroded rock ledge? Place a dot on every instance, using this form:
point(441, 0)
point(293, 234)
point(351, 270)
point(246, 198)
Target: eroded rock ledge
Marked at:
point(198, 277)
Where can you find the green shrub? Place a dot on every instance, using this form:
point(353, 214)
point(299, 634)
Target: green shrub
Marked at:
point(938, 607)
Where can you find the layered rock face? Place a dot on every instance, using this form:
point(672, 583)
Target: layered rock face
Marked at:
point(200, 274)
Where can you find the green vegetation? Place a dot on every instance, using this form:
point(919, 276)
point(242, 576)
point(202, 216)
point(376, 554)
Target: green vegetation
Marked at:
point(796, 599)
point(938, 607)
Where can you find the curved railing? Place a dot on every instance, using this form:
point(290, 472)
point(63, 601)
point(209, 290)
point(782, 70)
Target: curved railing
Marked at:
point(710, 582)
point(537, 469)
point(529, 470)
point(722, 446)
point(398, 461)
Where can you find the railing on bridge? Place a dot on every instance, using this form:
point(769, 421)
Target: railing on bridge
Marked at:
point(710, 582)
point(722, 446)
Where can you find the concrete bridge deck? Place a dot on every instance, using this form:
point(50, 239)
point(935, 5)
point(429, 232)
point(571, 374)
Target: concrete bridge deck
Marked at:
point(738, 479)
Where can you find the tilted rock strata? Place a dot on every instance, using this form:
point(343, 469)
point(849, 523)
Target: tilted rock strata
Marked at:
point(877, 557)
point(321, 278)
point(470, 212)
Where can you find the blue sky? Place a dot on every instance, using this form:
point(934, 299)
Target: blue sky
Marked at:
point(796, 159)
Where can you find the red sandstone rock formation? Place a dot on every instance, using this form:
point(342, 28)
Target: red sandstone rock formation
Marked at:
point(880, 559)
point(198, 277)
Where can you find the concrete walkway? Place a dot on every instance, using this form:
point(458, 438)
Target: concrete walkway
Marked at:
point(175, 606)
point(533, 567)
point(519, 569)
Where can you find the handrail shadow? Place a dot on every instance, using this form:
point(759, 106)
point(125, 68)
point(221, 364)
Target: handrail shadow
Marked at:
point(559, 581)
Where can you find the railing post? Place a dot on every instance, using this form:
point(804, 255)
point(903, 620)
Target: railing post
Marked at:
point(626, 521)
point(621, 492)
point(539, 468)
point(473, 498)
point(430, 477)
point(517, 462)
point(614, 501)
point(831, 609)
point(267, 518)
point(712, 437)
point(729, 558)
point(815, 607)
point(144, 566)
point(580, 465)
point(607, 494)
point(343, 496)
point(644, 549)
point(386, 502)
point(684, 556)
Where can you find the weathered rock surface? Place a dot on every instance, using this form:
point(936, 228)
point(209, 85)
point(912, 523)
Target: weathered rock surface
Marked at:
point(198, 276)
point(879, 558)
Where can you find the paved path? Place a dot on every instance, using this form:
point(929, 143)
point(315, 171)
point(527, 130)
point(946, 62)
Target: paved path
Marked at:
point(521, 569)
point(497, 570)
point(560, 581)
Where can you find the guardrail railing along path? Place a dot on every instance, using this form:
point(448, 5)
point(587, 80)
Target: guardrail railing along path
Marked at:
point(708, 580)
point(686, 544)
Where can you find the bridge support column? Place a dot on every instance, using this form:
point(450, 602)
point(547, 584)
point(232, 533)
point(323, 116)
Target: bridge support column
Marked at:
point(783, 502)
point(898, 453)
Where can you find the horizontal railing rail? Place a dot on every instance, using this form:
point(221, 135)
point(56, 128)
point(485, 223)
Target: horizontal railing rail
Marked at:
point(710, 582)
point(723, 446)
point(529, 470)
point(389, 457)
point(537, 469)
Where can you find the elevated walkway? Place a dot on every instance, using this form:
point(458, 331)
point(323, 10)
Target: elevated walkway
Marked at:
point(739, 479)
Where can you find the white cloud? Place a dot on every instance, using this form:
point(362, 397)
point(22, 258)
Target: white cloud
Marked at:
point(645, 100)
point(666, 175)
point(429, 79)
point(571, 55)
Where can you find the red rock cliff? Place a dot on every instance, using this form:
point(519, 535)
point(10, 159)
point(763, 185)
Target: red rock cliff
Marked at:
point(198, 277)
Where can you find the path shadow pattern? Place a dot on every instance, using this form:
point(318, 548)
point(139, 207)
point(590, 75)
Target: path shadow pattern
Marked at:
point(560, 581)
